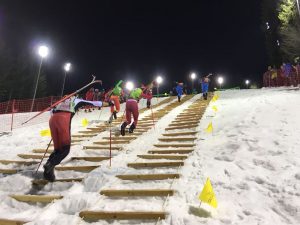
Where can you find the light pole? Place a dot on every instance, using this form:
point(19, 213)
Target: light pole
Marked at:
point(67, 68)
point(247, 82)
point(158, 81)
point(43, 52)
point(193, 77)
point(220, 81)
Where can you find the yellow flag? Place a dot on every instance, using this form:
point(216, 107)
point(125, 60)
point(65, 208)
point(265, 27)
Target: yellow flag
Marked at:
point(209, 128)
point(214, 98)
point(215, 108)
point(84, 122)
point(45, 133)
point(207, 195)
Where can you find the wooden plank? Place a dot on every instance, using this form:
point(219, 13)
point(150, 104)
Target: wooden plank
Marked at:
point(163, 156)
point(181, 127)
point(172, 151)
point(159, 176)
point(122, 215)
point(180, 133)
point(180, 123)
point(8, 171)
point(120, 138)
point(83, 135)
point(91, 158)
point(98, 129)
point(76, 168)
point(155, 164)
point(174, 145)
point(137, 192)
point(12, 222)
point(176, 139)
point(89, 132)
point(36, 198)
point(42, 150)
point(113, 142)
point(32, 156)
point(6, 162)
point(44, 182)
point(101, 148)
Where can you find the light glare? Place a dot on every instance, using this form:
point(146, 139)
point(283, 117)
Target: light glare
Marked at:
point(159, 79)
point(247, 82)
point(43, 51)
point(220, 80)
point(67, 67)
point(193, 76)
point(129, 86)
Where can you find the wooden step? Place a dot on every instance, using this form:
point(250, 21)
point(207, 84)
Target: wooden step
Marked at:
point(78, 140)
point(12, 222)
point(179, 123)
point(120, 138)
point(180, 133)
point(76, 168)
point(113, 142)
point(159, 176)
point(83, 135)
point(32, 156)
point(182, 127)
point(6, 162)
point(155, 164)
point(137, 192)
point(105, 148)
point(176, 139)
point(8, 171)
point(122, 215)
point(172, 151)
point(174, 145)
point(42, 150)
point(44, 182)
point(98, 129)
point(90, 132)
point(181, 120)
point(163, 156)
point(91, 158)
point(36, 198)
point(188, 117)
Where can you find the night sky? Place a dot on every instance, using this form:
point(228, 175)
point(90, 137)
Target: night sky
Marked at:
point(139, 39)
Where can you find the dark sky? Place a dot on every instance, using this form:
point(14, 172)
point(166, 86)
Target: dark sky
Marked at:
point(139, 39)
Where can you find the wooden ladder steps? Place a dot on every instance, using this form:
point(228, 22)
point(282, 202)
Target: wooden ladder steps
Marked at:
point(158, 176)
point(76, 168)
point(90, 131)
point(42, 150)
point(94, 147)
point(137, 192)
point(6, 162)
point(163, 156)
point(176, 139)
point(91, 158)
point(181, 120)
point(12, 222)
point(172, 151)
point(122, 215)
point(118, 142)
point(174, 145)
point(83, 135)
point(180, 134)
point(32, 156)
point(179, 123)
point(36, 198)
point(8, 171)
point(97, 129)
point(120, 138)
point(182, 127)
point(155, 164)
point(44, 182)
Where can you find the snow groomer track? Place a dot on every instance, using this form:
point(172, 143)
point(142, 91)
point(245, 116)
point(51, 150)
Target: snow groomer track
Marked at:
point(140, 181)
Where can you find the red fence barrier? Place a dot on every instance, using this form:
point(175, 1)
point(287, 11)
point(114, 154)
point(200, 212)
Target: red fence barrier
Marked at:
point(14, 112)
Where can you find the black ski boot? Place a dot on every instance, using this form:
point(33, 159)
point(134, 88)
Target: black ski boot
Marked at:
point(131, 128)
point(123, 128)
point(148, 104)
point(178, 98)
point(115, 114)
point(49, 172)
point(205, 97)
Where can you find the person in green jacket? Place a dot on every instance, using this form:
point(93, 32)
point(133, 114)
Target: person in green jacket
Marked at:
point(114, 96)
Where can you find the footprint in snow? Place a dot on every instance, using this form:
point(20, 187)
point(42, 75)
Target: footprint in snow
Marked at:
point(224, 158)
point(265, 164)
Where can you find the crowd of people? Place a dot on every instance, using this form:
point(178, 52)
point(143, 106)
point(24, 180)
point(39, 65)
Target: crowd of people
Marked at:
point(286, 75)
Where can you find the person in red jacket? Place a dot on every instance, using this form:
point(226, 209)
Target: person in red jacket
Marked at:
point(89, 96)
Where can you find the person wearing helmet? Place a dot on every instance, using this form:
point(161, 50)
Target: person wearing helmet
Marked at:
point(131, 108)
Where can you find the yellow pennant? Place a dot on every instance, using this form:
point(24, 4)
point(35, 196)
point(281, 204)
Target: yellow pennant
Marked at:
point(214, 98)
point(84, 122)
point(215, 108)
point(207, 195)
point(45, 133)
point(209, 128)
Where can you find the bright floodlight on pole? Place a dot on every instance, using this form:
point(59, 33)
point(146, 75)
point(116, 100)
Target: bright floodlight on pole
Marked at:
point(220, 81)
point(247, 82)
point(129, 86)
point(67, 68)
point(158, 81)
point(43, 52)
point(193, 77)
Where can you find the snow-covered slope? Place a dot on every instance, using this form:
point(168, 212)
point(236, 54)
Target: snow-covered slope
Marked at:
point(252, 159)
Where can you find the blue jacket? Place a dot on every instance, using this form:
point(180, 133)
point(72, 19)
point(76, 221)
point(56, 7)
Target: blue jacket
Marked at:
point(179, 90)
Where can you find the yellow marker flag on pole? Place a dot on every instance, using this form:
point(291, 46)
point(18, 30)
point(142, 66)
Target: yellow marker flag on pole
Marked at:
point(215, 108)
point(84, 122)
point(209, 128)
point(207, 195)
point(214, 99)
point(45, 133)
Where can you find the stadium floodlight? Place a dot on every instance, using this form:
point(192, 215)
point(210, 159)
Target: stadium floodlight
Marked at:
point(193, 77)
point(220, 81)
point(159, 80)
point(43, 51)
point(129, 85)
point(67, 68)
point(247, 82)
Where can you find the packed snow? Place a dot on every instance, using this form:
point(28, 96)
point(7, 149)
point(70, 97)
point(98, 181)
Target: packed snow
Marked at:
point(251, 157)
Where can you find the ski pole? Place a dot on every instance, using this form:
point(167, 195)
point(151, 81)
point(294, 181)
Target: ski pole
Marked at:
point(43, 156)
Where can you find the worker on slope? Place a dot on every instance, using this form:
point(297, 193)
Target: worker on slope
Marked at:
point(204, 86)
point(179, 90)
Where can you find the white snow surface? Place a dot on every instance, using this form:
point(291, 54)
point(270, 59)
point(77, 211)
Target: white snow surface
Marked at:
point(252, 158)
